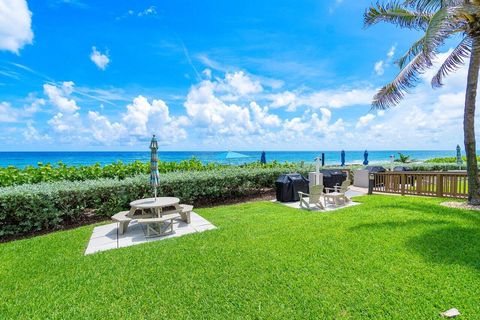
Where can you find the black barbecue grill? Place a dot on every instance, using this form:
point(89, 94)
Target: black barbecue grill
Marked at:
point(288, 185)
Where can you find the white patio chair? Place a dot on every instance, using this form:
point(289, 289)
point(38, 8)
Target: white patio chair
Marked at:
point(337, 194)
point(312, 199)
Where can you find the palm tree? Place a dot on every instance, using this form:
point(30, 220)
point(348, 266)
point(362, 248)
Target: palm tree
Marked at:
point(438, 20)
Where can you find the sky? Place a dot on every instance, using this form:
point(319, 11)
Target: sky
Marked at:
point(211, 75)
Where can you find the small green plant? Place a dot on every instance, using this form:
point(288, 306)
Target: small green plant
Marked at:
point(403, 158)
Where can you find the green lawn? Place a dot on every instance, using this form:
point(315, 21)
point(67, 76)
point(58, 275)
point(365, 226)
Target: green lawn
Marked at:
point(391, 257)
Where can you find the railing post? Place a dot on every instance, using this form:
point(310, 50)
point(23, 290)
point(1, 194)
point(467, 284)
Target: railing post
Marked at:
point(402, 184)
point(439, 185)
point(371, 183)
point(419, 185)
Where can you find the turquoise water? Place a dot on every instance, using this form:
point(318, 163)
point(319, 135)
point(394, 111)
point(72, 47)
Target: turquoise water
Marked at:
point(22, 159)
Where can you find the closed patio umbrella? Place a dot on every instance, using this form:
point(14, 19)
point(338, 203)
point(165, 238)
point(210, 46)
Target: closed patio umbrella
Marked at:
point(342, 158)
point(263, 158)
point(459, 156)
point(317, 165)
point(365, 158)
point(154, 175)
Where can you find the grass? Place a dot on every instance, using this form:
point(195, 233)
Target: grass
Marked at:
point(391, 257)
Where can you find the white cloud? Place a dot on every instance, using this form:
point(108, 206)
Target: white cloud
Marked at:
point(34, 106)
point(262, 118)
point(101, 60)
point(103, 130)
point(328, 98)
point(144, 118)
point(338, 98)
point(426, 118)
point(245, 121)
point(210, 112)
point(363, 121)
point(32, 134)
point(242, 84)
point(283, 99)
point(150, 11)
point(7, 113)
point(58, 96)
point(66, 123)
point(15, 25)
point(379, 67)
point(391, 52)
point(310, 129)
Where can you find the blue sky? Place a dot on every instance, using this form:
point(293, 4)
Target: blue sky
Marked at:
point(210, 75)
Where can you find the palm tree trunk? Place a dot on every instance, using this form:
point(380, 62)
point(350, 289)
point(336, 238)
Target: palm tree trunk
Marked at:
point(469, 124)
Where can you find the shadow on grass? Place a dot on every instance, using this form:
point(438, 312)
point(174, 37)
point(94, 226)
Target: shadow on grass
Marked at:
point(451, 245)
point(444, 240)
point(434, 210)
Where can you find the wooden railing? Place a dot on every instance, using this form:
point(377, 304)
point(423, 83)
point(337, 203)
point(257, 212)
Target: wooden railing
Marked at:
point(433, 184)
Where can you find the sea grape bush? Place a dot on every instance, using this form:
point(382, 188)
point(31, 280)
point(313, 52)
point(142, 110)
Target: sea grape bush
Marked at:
point(11, 175)
point(448, 160)
point(33, 207)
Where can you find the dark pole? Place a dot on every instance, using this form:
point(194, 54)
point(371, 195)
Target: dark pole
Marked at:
point(371, 182)
point(323, 159)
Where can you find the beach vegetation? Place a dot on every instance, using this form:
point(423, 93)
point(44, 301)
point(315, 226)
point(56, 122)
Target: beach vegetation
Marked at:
point(12, 175)
point(46, 206)
point(403, 158)
point(447, 160)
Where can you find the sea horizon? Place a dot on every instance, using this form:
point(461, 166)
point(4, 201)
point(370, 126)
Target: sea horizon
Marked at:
point(22, 159)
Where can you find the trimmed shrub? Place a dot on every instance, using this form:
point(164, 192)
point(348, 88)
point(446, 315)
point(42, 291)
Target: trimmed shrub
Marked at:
point(11, 175)
point(34, 207)
point(448, 160)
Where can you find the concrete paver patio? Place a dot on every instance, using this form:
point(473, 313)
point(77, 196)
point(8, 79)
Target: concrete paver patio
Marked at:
point(105, 237)
point(352, 191)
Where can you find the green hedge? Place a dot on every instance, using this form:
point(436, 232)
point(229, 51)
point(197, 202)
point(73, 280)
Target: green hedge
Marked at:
point(48, 173)
point(11, 175)
point(448, 160)
point(34, 207)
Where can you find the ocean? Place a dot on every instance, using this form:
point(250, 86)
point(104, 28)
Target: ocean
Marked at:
point(23, 159)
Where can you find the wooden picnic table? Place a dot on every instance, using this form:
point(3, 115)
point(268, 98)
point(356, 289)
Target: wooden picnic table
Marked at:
point(155, 206)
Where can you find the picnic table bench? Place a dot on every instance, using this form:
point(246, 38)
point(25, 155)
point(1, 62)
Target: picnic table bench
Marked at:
point(154, 213)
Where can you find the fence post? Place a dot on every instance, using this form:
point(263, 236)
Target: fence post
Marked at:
point(439, 185)
point(371, 182)
point(419, 185)
point(402, 184)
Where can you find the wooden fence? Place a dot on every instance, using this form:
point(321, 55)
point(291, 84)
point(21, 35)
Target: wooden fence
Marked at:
point(433, 184)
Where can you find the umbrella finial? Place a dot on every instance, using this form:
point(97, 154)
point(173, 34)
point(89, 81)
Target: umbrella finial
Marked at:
point(154, 143)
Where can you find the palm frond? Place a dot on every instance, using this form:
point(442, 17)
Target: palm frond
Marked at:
point(415, 49)
point(396, 14)
point(438, 30)
point(391, 94)
point(454, 61)
point(447, 21)
point(431, 5)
